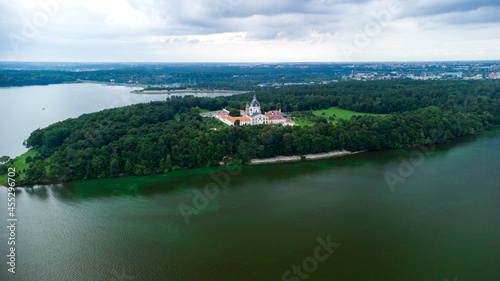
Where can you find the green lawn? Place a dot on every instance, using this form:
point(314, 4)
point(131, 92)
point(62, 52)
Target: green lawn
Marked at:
point(302, 121)
point(339, 114)
point(19, 165)
point(342, 113)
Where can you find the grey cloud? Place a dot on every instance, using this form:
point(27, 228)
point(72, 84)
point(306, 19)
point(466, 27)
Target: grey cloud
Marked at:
point(292, 20)
point(426, 8)
point(262, 18)
point(482, 15)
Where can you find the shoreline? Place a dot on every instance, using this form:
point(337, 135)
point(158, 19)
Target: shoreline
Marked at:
point(159, 92)
point(254, 162)
point(316, 156)
point(78, 82)
point(274, 160)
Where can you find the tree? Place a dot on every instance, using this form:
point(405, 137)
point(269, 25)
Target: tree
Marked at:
point(37, 172)
point(233, 112)
point(4, 159)
point(114, 167)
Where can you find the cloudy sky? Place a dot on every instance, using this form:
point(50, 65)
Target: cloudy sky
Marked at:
point(249, 31)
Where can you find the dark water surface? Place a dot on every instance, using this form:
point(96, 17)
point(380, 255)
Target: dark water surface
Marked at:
point(440, 220)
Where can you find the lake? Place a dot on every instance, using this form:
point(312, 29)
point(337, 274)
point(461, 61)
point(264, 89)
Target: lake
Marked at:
point(24, 109)
point(430, 213)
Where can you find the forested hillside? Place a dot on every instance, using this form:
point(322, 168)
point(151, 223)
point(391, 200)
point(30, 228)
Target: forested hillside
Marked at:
point(146, 139)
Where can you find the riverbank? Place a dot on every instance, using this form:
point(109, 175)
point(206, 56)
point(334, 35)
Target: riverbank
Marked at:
point(21, 165)
point(279, 159)
point(153, 92)
point(105, 83)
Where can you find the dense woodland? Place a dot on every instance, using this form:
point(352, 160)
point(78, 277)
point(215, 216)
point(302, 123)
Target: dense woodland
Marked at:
point(146, 139)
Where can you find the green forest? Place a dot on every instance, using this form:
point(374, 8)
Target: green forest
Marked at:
point(147, 139)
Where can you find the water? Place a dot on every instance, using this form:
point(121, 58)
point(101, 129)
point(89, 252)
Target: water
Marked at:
point(24, 109)
point(441, 222)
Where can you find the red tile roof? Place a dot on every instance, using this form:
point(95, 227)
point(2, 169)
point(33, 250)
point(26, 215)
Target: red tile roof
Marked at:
point(275, 117)
point(242, 119)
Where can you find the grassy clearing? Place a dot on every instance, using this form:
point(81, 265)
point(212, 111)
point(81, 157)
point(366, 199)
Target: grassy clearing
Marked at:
point(20, 165)
point(308, 121)
point(303, 121)
point(342, 113)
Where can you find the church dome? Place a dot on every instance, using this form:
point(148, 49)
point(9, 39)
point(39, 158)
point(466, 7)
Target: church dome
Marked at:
point(254, 103)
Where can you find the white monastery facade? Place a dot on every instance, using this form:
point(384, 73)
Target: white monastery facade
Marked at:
point(252, 115)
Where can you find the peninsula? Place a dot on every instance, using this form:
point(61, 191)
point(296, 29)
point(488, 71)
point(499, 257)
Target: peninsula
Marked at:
point(159, 137)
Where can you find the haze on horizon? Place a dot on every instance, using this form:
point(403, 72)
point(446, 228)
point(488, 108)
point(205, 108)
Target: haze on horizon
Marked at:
point(249, 31)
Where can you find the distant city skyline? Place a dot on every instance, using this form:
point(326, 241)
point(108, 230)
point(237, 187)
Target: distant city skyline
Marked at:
point(249, 31)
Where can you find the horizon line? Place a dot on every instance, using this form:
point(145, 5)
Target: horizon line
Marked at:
point(243, 62)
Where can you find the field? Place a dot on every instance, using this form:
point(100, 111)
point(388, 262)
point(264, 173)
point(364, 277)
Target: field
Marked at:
point(308, 121)
point(342, 113)
point(339, 114)
point(303, 121)
point(19, 164)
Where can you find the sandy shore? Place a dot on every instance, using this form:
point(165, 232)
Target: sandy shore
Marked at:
point(297, 158)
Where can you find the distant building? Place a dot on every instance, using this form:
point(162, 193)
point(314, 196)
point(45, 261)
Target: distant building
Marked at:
point(263, 85)
point(477, 77)
point(494, 75)
point(252, 115)
point(329, 82)
point(454, 74)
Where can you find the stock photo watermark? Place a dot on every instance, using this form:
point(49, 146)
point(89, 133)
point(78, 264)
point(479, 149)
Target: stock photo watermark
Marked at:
point(310, 264)
point(363, 37)
point(11, 220)
point(47, 10)
point(201, 200)
point(407, 166)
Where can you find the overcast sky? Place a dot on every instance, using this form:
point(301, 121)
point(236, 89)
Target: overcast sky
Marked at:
point(249, 31)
